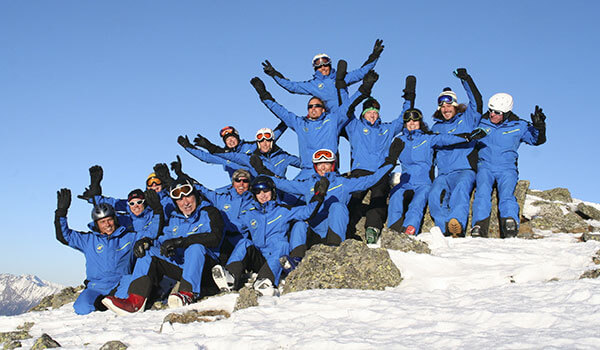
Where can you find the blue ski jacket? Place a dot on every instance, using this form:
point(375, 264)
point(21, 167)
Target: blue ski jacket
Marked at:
point(147, 224)
point(229, 203)
point(323, 86)
point(498, 149)
point(460, 156)
point(277, 160)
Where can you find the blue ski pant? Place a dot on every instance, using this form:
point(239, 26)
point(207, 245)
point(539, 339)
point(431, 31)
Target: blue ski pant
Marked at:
point(506, 182)
point(456, 188)
point(416, 207)
point(336, 219)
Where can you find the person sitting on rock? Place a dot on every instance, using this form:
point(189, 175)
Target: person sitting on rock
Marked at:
point(323, 84)
point(267, 247)
point(497, 165)
point(189, 244)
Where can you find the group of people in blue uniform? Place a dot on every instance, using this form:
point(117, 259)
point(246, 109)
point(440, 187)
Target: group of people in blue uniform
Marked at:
point(262, 222)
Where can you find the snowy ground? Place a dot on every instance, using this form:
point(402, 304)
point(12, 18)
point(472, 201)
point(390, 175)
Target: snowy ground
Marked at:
point(471, 293)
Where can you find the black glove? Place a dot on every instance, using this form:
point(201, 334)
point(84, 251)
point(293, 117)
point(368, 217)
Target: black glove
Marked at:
point(153, 201)
point(395, 149)
point(377, 50)
point(270, 71)
point(259, 86)
point(162, 172)
point(461, 73)
point(140, 247)
point(259, 166)
point(409, 89)
point(320, 189)
point(476, 134)
point(96, 174)
point(203, 142)
point(538, 118)
point(176, 167)
point(63, 202)
point(184, 141)
point(168, 247)
point(368, 82)
point(340, 75)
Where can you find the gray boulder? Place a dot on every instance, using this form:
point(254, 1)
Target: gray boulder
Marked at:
point(55, 301)
point(196, 316)
point(352, 265)
point(588, 212)
point(113, 345)
point(590, 237)
point(45, 342)
point(595, 273)
point(248, 298)
point(551, 217)
point(391, 239)
point(555, 194)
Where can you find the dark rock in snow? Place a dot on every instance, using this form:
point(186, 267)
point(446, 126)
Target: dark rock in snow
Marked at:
point(595, 273)
point(555, 194)
point(391, 239)
point(588, 212)
point(352, 265)
point(13, 345)
point(590, 237)
point(113, 345)
point(6, 337)
point(45, 342)
point(54, 301)
point(248, 298)
point(196, 316)
point(551, 217)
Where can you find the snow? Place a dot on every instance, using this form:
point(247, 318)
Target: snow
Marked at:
point(470, 293)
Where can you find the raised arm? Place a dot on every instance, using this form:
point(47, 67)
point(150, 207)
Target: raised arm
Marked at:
point(63, 233)
point(289, 118)
point(475, 101)
point(536, 133)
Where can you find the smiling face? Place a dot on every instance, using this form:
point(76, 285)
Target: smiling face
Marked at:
point(496, 118)
point(315, 111)
point(448, 111)
point(187, 204)
point(106, 226)
point(371, 116)
point(265, 146)
point(241, 184)
point(325, 70)
point(264, 196)
point(413, 125)
point(324, 168)
point(136, 208)
point(231, 141)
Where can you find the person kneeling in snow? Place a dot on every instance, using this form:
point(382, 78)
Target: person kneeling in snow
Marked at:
point(189, 244)
point(268, 247)
point(497, 163)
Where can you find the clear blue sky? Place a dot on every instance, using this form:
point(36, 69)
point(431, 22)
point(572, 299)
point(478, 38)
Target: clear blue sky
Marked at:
point(114, 83)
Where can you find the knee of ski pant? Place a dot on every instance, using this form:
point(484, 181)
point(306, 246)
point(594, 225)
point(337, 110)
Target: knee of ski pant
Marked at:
point(239, 251)
point(298, 234)
point(338, 219)
point(194, 251)
point(464, 181)
point(84, 304)
point(396, 207)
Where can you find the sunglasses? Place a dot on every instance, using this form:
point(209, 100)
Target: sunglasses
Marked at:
point(318, 105)
point(321, 61)
point(412, 116)
point(153, 181)
point(181, 191)
point(445, 99)
point(264, 136)
point(139, 201)
point(493, 111)
point(246, 181)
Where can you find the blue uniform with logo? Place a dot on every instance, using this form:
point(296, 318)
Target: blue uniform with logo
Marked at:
point(455, 167)
point(323, 86)
point(268, 225)
point(498, 158)
point(277, 160)
point(146, 224)
point(416, 159)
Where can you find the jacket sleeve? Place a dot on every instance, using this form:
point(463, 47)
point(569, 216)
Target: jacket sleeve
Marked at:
point(210, 195)
point(242, 159)
point(68, 237)
point(341, 113)
point(304, 212)
point(279, 130)
point(212, 238)
point(118, 204)
point(363, 182)
point(295, 87)
point(398, 123)
point(446, 139)
point(289, 118)
point(475, 107)
point(290, 186)
point(357, 74)
point(533, 136)
point(207, 157)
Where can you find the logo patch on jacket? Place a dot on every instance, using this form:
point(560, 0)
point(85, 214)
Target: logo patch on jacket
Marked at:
point(253, 223)
point(366, 131)
point(175, 228)
point(99, 248)
point(226, 207)
point(320, 86)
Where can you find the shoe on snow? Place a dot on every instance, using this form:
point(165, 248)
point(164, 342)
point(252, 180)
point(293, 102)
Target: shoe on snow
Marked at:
point(180, 299)
point(134, 303)
point(223, 279)
point(454, 228)
point(372, 235)
point(410, 230)
point(289, 263)
point(510, 227)
point(476, 231)
point(264, 287)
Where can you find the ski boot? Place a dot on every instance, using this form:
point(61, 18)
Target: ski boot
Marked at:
point(223, 279)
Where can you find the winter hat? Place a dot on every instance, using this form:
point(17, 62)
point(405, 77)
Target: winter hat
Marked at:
point(135, 194)
point(370, 104)
point(447, 96)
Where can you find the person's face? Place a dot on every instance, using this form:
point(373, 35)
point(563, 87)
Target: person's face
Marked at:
point(448, 111)
point(231, 141)
point(186, 204)
point(317, 108)
point(371, 116)
point(495, 118)
point(138, 206)
point(241, 184)
point(325, 70)
point(265, 146)
point(413, 125)
point(324, 168)
point(106, 225)
point(264, 196)
point(156, 187)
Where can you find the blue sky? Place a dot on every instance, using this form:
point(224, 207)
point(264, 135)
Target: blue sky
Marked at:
point(114, 83)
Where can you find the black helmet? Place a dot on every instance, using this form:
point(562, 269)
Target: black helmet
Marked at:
point(102, 210)
point(261, 183)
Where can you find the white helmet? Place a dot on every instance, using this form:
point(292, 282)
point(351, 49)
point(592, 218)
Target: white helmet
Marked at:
point(264, 133)
point(501, 101)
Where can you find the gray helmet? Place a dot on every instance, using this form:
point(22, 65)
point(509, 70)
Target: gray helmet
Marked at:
point(102, 210)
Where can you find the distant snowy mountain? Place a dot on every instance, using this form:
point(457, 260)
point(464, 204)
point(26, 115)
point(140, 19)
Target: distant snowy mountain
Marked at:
point(20, 293)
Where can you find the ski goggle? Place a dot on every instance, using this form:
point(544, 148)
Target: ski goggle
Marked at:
point(244, 180)
point(264, 136)
point(446, 99)
point(321, 61)
point(317, 105)
point(323, 155)
point(227, 131)
point(153, 181)
point(260, 187)
point(139, 201)
point(493, 111)
point(412, 115)
point(181, 191)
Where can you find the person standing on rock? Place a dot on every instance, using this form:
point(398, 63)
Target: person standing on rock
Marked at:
point(267, 246)
point(323, 85)
point(498, 159)
point(450, 193)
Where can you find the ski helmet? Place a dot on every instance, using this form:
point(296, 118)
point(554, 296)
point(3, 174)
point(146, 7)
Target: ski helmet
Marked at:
point(447, 96)
point(501, 101)
point(261, 183)
point(229, 131)
point(102, 211)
